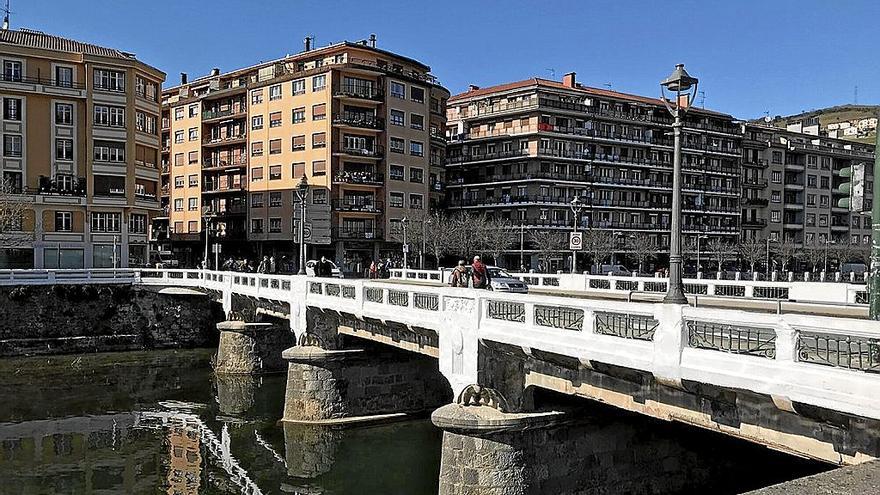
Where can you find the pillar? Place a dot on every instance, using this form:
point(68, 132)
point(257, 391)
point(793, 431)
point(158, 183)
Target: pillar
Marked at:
point(247, 348)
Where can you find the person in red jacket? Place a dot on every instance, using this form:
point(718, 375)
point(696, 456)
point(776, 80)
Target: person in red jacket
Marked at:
point(479, 274)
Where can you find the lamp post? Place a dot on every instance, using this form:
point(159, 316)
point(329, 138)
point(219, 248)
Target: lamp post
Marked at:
point(767, 268)
point(205, 228)
point(425, 223)
point(684, 87)
point(576, 206)
point(522, 246)
point(614, 238)
point(403, 222)
point(699, 236)
point(825, 263)
point(302, 192)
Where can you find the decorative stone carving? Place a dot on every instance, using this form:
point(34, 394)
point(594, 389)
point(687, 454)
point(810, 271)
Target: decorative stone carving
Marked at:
point(311, 340)
point(477, 395)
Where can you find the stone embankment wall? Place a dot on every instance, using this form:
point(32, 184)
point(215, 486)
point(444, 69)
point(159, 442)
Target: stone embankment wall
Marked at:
point(61, 319)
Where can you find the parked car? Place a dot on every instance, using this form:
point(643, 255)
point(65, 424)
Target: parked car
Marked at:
point(616, 270)
point(857, 268)
point(502, 281)
point(164, 259)
point(335, 272)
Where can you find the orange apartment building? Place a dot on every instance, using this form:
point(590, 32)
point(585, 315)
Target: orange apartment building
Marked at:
point(80, 152)
point(363, 125)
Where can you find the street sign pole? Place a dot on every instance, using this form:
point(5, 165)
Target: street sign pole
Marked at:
point(874, 279)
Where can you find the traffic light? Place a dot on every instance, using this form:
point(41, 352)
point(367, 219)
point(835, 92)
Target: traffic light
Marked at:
point(854, 188)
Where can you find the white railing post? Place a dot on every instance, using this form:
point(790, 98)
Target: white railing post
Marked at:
point(668, 343)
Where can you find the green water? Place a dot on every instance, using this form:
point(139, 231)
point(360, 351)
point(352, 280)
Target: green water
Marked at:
point(161, 422)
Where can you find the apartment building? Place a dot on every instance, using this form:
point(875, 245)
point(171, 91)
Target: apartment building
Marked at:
point(522, 151)
point(791, 187)
point(80, 152)
point(364, 126)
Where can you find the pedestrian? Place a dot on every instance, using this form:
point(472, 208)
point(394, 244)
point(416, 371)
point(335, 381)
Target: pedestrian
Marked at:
point(263, 267)
point(374, 269)
point(459, 276)
point(272, 266)
point(479, 274)
point(324, 268)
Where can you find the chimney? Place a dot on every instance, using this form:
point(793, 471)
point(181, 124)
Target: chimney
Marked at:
point(568, 80)
point(215, 71)
point(472, 87)
point(183, 78)
point(308, 43)
point(373, 40)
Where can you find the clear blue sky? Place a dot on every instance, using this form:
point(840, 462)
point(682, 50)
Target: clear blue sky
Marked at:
point(752, 56)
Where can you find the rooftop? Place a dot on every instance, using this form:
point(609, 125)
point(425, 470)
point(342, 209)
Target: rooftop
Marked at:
point(38, 39)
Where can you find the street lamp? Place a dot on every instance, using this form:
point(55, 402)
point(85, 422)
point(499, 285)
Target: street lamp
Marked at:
point(684, 87)
point(403, 222)
point(767, 268)
point(302, 192)
point(699, 236)
point(576, 206)
point(827, 242)
point(522, 246)
point(614, 242)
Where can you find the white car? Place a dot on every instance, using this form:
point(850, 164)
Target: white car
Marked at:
point(501, 281)
point(335, 272)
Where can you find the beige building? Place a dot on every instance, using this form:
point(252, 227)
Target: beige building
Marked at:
point(364, 127)
point(80, 150)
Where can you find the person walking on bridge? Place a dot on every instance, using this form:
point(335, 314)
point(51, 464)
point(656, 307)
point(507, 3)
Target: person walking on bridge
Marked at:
point(459, 276)
point(479, 274)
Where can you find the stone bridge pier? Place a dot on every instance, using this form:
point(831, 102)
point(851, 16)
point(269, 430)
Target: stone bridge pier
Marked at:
point(252, 337)
point(335, 378)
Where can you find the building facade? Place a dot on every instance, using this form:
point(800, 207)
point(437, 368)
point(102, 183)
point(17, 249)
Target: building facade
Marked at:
point(80, 152)
point(522, 151)
point(364, 126)
point(791, 188)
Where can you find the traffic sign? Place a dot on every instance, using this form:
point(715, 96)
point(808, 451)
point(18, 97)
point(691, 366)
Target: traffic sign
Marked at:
point(576, 241)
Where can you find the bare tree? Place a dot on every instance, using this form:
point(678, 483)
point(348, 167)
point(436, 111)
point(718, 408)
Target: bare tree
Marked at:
point(814, 254)
point(498, 236)
point(786, 252)
point(12, 212)
point(846, 251)
point(598, 243)
point(721, 249)
point(752, 250)
point(438, 235)
point(466, 233)
point(547, 243)
point(643, 248)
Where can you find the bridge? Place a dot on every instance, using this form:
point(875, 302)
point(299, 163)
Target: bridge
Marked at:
point(801, 383)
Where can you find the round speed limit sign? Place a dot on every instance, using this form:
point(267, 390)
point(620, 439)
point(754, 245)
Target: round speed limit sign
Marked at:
point(576, 241)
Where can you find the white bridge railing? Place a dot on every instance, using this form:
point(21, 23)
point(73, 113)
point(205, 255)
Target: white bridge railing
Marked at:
point(823, 361)
point(817, 292)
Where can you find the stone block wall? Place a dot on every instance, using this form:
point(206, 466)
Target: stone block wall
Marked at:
point(60, 319)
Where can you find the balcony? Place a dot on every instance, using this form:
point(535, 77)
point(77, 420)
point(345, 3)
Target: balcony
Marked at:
point(166, 210)
point(216, 211)
point(360, 178)
point(49, 186)
point(209, 188)
point(356, 234)
point(221, 141)
point(43, 81)
point(218, 164)
point(373, 152)
point(755, 201)
point(360, 121)
point(358, 204)
point(754, 223)
point(754, 182)
point(359, 92)
point(209, 115)
point(794, 186)
point(754, 162)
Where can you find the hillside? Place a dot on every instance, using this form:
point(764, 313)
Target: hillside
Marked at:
point(831, 115)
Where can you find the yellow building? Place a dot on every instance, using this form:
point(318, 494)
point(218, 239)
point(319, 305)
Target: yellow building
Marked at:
point(80, 151)
point(363, 125)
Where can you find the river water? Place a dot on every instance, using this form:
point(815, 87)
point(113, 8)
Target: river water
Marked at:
point(162, 422)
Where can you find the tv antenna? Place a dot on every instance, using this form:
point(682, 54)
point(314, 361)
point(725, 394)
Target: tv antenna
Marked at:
point(6, 13)
point(607, 85)
point(702, 99)
point(552, 73)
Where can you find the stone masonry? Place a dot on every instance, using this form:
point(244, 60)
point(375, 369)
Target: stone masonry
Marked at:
point(249, 348)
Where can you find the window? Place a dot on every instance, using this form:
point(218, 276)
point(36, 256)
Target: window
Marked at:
point(257, 200)
point(811, 200)
point(192, 157)
point(257, 122)
point(106, 222)
point(11, 145)
point(257, 148)
point(145, 89)
point(178, 159)
point(298, 143)
point(775, 216)
point(824, 201)
point(274, 146)
point(319, 111)
point(319, 197)
point(398, 117)
point(12, 70)
point(109, 116)
point(274, 198)
point(193, 110)
point(395, 172)
point(274, 225)
point(299, 115)
point(256, 174)
point(823, 220)
point(398, 90)
point(11, 108)
point(193, 204)
point(64, 76)
point(825, 182)
point(64, 113)
point(416, 201)
point(417, 94)
point(417, 121)
point(319, 140)
point(274, 119)
point(63, 222)
point(416, 175)
point(397, 145)
point(178, 181)
point(275, 92)
point(811, 180)
point(256, 96)
point(178, 113)
point(811, 219)
point(298, 169)
point(192, 226)
point(299, 86)
point(64, 149)
point(319, 167)
point(275, 172)
point(109, 151)
point(775, 197)
point(777, 157)
point(193, 133)
point(109, 80)
point(257, 225)
point(396, 200)
point(178, 204)
point(319, 82)
point(178, 137)
point(137, 223)
point(416, 148)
